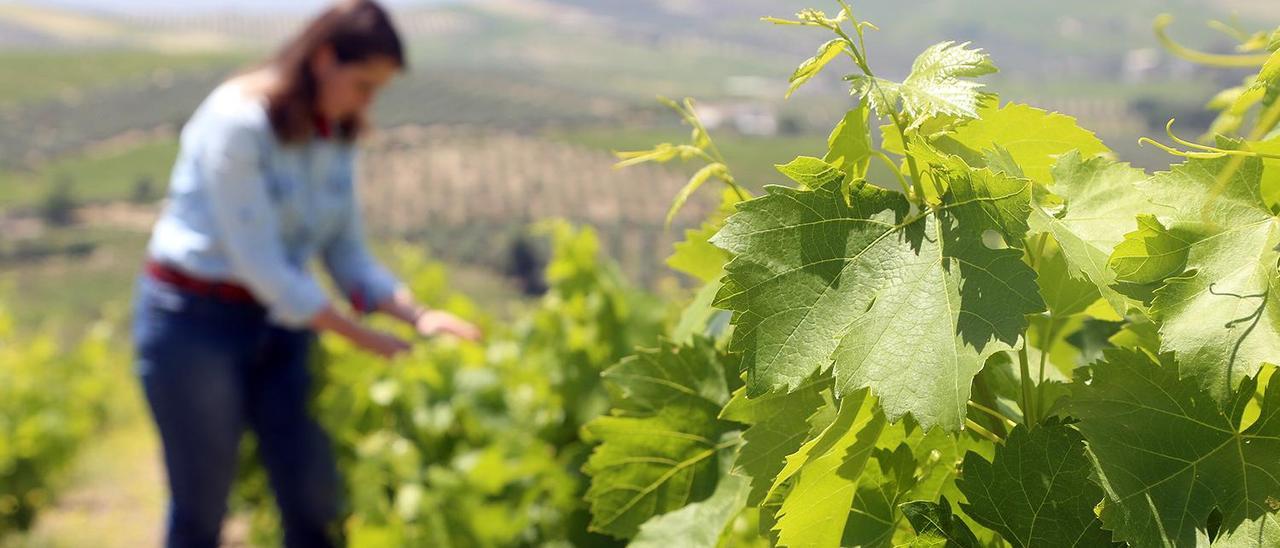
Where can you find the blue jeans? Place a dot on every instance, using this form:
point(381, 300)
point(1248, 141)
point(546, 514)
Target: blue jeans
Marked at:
point(210, 368)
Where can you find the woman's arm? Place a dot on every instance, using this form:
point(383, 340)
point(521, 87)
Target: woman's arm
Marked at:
point(382, 344)
point(372, 288)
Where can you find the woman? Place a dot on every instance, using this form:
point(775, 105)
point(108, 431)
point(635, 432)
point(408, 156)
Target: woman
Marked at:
point(228, 310)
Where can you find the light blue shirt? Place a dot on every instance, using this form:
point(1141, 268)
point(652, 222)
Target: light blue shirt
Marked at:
point(245, 208)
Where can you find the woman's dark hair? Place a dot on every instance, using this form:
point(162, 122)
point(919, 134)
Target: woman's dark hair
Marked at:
point(357, 31)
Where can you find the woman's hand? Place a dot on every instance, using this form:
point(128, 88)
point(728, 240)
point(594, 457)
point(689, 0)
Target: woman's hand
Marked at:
point(435, 322)
point(427, 322)
point(381, 343)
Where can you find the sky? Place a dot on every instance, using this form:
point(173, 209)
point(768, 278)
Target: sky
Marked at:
point(188, 6)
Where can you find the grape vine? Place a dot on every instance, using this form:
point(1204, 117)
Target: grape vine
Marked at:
point(1008, 337)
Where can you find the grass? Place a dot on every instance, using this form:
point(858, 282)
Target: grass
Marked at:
point(70, 291)
point(94, 177)
point(36, 75)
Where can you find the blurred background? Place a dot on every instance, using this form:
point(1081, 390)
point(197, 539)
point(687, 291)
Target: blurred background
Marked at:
point(508, 116)
point(512, 107)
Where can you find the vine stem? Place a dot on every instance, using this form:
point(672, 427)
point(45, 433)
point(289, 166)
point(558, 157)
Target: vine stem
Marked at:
point(970, 424)
point(859, 58)
point(902, 182)
point(1041, 242)
point(1028, 402)
point(1200, 57)
point(916, 184)
point(715, 156)
point(697, 123)
point(1266, 122)
point(1008, 422)
point(1046, 340)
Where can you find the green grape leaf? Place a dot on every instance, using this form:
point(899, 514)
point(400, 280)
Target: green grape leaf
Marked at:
point(658, 450)
point(849, 145)
point(935, 86)
point(1149, 254)
point(1101, 201)
point(651, 380)
point(935, 520)
point(827, 468)
point(697, 315)
point(1034, 139)
point(779, 425)
point(907, 304)
point(1167, 455)
point(814, 65)
point(1262, 532)
point(1233, 104)
point(891, 138)
point(1063, 294)
point(696, 181)
point(1269, 76)
point(695, 255)
point(1140, 334)
point(1036, 491)
point(1221, 315)
point(908, 463)
point(886, 479)
point(698, 525)
point(811, 172)
point(1270, 185)
point(939, 454)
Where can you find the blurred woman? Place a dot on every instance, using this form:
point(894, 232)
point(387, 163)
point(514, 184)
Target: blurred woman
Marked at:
point(228, 310)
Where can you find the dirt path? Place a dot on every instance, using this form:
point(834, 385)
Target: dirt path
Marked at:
point(115, 496)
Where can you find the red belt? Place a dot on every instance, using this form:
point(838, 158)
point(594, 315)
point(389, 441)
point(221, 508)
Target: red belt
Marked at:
point(181, 280)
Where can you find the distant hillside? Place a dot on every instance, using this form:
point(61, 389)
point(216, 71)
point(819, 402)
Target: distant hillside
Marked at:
point(540, 63)
point(1034, 40)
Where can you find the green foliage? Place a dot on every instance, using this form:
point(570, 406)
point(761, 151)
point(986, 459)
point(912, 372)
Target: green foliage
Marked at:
point(589, 319)
point(812, 66)
point(1087, 209)
point(1070, 350)
point(821, 277)
point(661, 447)
point(1219, 313)
point(937, 526)
point(849, 146)
point(695, 255)
point(1149, 254)
point(1049, 468)
point(52, 400)
point(1035, 140)
point(1160, 493)
point(58, 206)
point(463, 444)
point(1076, 353)
point(779, 424)
point(935, 87)
point(700, 146)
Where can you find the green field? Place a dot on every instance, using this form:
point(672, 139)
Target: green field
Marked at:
point(94, 177)
point(48, 74)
